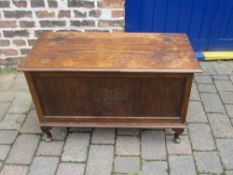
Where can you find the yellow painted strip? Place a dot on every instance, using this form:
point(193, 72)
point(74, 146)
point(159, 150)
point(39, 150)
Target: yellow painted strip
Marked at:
point(218, 55)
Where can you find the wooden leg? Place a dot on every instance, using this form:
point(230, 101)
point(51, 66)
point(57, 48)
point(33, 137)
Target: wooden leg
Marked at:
point(178, 132)
point(47, 133)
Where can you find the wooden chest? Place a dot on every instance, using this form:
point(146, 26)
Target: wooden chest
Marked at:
point(122, 80)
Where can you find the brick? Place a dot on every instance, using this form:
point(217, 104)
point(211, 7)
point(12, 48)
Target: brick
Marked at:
point(110, 23)
point(182, 165)
point(224, 85)
point(14, 170)
point(155, 168)
point(153, 145)
point(24, 51)
point(225, 147)
point(95, 13)
point(4, 150)
point(208, 162)
point(20, 82)
point(37, 3)
point(220, 125)
point(4, 43)
point(194, 93)
point(7, 136)
point(100, 160)
point(127, 165)
point(53, 148)
point(18, 14)
point(196, 112)
point(3, 110)
point(16, 33)
point(127, 145)
point(206, 88)
point(22, 103)
point(23, 149)
point(52, 3)
point(31, 124)
point(227, 97)
point(80, 3)
point(80, 14)
point(31, 42)
point(203, 79)
point(43, 165)
point(64, 13)
point(128, 132)
point(20, 4)
point(201, 138)
point(19, 42)
point(70, 169)
point(82, 23)
point(212, 103)
point(12, 121)
point(183, 148)
point(4, 4)
point(106, 13)
point(111, 3)
point(45, 14)
point(27, 24)
point(7, 24)
point(118, 13)
point(53, 23)
point(103, 136)
point(229, 109)
point(75, 149)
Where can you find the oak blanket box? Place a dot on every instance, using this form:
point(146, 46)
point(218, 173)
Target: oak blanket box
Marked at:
point(111, 80)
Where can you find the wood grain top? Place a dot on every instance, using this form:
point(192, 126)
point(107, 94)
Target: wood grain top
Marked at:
point(115, 52)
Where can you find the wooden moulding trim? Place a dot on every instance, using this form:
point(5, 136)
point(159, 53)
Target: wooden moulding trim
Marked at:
point(114, 125)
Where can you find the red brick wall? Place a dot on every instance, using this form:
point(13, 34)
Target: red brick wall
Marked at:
point(22, 21)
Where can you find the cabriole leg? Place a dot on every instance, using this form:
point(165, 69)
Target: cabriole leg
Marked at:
point(47, 133)
point(178, 132)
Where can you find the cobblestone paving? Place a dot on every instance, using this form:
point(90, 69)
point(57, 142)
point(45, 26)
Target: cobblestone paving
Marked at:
point(206, 147)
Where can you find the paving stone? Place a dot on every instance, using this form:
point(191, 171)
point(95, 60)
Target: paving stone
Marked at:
point(229, 172)
point(127, 145)
point(53, 148)
point(182, 165)
point(153, 145)
point(207, 68)
point(21, 103)
point(220, 125)
point(76, 147)
point(7, 136)
point(7, 96)
point(169, 131)
point(4, 150)
point(227, 97)
point(225, 147)
point(71, 169)
point(31, 124)
point(3, 110)
point(212, 103)
point(59, 133)
point(203, 79)
point(194, 93)
point(155, 168)
point(43, 165)
point(128, 132)
point(23, 149)
point(222, 67)
point(220, 77)
point(229, 109)
point(100, 160)
point(103, 136)
point(183, 148)
point(201, 137)
point(231, 78)
point(224, 85)
point(12, 121)
point(208, 162)
point(207, 88)
point(196, 112)
point(20, 82)
point(6, 81)
point(14, 170)
point(80, 130)
point(127, 165)
point(1, 164)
